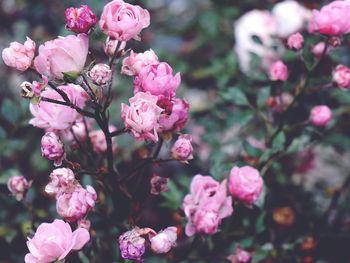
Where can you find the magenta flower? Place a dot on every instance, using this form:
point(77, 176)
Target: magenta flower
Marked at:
point(278, 71)
point(341, 76)
point(132, 245)
point(19, 56)
point(175, 114)
point(80, 20)
point(295, 41)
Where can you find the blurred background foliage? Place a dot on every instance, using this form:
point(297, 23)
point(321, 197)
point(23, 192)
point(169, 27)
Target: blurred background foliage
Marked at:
point(295, 219)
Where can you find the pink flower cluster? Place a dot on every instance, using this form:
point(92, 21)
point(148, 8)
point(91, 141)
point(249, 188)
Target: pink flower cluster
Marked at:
point(54, 241)
point(157, 80)
point(73, 201)
point(331, 19)
point(206, 205)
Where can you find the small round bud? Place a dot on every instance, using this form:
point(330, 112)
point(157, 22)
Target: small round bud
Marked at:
point(18, 186)
point(320, 115)
point(80, 20)
point(101, 74)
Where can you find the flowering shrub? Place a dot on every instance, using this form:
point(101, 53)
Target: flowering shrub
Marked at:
point(143, 146)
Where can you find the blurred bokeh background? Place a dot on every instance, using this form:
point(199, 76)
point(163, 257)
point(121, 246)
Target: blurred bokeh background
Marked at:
point(196, 37)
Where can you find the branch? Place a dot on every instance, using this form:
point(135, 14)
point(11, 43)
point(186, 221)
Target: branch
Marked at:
point(119, 132)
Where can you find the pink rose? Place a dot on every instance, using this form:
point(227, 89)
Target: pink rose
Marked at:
point(341, 76)
point(62, 180)
point(278, 71)
point(18, 186)
point(80, 20)
point(56, 116)
point(182, 149)
point(62, 55)
point(163, 241)
point(54, 241)
point(101, 74)
point(157, 79)
point(19, 56)
point(77, 204)
point(133, 64)
point(142, 116)
point(331, 19)
point(52, 148)
point(123, 21)
point(206, 205)
point(174, 116)
point(295, 41)
point(245, 184)
point(320, 115)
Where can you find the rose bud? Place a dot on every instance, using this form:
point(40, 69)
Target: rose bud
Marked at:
point(18, 186)
point(133, 64)
point(320, 115)
point(26, 90)
point(163, 241)
point(132, 245)
point(52, 148)
point(54, 241)
point(331, 19)
point(101, 74)
point(245, 184)
point(19, 56)
point(112, 45)
point(182, 149)
point(62, 180)
point(295, 41)
point(318, 49)
point(77, 204)
point(278, 71)
point(341, 76)
point(158, 185)
point(80, 20)
point(123, 21)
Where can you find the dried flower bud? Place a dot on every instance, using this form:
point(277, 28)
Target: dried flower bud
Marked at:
point(26, 90)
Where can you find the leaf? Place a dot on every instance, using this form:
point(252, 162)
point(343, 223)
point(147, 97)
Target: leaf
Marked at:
point(263, 95)
point(9, 111)
point(236, 96)
point(279, 141)
point(250, 150)
point(260, 223)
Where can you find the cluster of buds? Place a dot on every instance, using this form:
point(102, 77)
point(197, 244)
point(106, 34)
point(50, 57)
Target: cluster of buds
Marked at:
point(134, 243)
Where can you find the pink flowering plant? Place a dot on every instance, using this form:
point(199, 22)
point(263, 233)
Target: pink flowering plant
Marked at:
point(141, 145)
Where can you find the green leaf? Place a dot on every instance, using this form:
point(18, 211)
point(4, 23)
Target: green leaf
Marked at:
point(10, 111)
point(260, 223)
point(279, 141)
point(250, 150)
point(236, 96)
point(263, 95)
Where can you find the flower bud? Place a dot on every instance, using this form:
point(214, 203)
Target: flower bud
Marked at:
point(101, 74)
point(26, 90)
point(182, 149)
point(19, 56)
point(80, 20)
point(278, 71)
point(245, 184)
point(295, 41)
point(52, 148)
point(112, 45)
point(62, 180)
point(341, 76)
point(320, 115)
point(77, 204)
point(158, 185)
point(132, 245)
point(18, 186)
point(163, 241)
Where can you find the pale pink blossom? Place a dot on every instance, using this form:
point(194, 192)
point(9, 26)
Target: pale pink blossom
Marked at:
point(142, 116)
point(123, 21)
point(80, 20)
point(62, 55)
point(206, 205)
point(54, 241)
point(295, 41)
point(245, 184)
point(55, 116)
point(61, 180)
point(133, 64)
point(175, 114)
point(19, 56)
point(111, 46)
point(278, 71)
point(77, 204)
point(52, 148)
point(101, 74)
point(18, 186)
point(182, 149)
point(163, 241)
point(158, 79)
point(331, 19)
point(320, 115)
point(341, 76)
